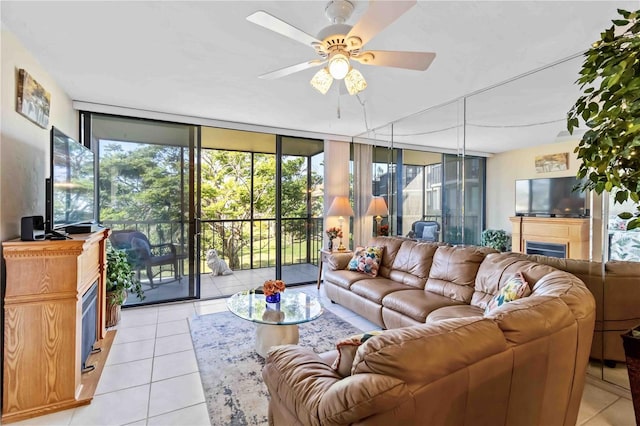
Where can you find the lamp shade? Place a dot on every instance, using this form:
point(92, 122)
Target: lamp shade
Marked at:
point(321, 81)
point(340, 207)
point(378, 207)
point(355, 82)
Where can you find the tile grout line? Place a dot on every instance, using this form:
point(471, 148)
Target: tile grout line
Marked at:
point(596, 414)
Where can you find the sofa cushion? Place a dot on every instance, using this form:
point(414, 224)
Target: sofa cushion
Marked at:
point(531, 318)
point(366, 260)
point(347, 349)
point(453, 271)
point(375, 289)
point(413, 262)
point(416, 304)
point(569, 289)
point(425, 353)
point(455, 311)
point(515, 288)
point(495, 271)
point(343, 278)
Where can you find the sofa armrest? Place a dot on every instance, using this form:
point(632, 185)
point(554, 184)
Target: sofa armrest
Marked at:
point(364, 395)
point(299, 378)
point(337, 261)
point(316, 394)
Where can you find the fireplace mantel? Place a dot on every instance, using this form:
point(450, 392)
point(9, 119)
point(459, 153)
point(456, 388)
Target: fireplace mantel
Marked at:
point(571, 232)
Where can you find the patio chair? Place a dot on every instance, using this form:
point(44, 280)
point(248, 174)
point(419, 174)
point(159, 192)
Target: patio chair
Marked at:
point(143, 254)
point(425, 230)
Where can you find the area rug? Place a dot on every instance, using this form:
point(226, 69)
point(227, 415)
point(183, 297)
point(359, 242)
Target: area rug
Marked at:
point(231, 370)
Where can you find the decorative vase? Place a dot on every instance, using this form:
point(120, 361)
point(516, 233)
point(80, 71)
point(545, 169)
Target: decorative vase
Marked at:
point(273, 298)
point(330, 244)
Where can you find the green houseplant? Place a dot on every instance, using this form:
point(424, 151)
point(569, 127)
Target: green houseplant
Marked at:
point(610, 108)
point(495, 238)
point(120, 279)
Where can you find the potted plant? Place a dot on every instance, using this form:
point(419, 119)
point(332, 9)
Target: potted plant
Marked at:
point(495, 238)
point(610, 83)
point(120, 279)
point(610, 159)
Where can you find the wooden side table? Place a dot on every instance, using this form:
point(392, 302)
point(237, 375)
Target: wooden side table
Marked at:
point(324, 257)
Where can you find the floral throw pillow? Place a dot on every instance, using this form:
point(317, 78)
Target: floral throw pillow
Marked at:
point(366, 260)
point(515, 288)
point(347, 349)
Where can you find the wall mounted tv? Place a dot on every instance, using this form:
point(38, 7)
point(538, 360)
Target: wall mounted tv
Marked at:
point(70, 191)
point(553, 197)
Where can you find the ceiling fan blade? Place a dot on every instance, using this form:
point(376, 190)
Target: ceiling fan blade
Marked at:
point(277, 25)
point(291, 69)
point(377, 17)
point(418, 61)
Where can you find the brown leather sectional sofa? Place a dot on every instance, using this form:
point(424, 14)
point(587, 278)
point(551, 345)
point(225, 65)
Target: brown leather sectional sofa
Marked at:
point(616, 289)
point(442, 360)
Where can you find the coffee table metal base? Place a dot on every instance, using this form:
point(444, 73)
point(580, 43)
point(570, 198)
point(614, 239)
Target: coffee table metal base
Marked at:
point(268, 335)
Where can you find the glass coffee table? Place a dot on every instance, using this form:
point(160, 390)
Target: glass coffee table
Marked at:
point(276, 323)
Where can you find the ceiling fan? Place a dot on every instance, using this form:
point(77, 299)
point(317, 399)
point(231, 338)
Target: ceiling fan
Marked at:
point(339, 44)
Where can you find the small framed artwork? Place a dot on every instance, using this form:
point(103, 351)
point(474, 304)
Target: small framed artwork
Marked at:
point(552, 162)
point(32, 100)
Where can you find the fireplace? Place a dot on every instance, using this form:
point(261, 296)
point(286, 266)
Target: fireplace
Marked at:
point(547, 249)
point(89, 324)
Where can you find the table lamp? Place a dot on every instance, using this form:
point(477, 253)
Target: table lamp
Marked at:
point(340, 207)
point(378, 208)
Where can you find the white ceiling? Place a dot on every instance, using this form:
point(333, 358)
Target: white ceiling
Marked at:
point(202, 59)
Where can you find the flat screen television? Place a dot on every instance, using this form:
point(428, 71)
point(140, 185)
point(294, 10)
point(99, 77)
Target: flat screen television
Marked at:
point(554, 197)
point(70, 191)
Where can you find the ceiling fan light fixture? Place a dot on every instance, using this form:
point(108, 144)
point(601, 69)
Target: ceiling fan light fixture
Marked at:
point(355, 82)
point(322, 80)
point(339, 66)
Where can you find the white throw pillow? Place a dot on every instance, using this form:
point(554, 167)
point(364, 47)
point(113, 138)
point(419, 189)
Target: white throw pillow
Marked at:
point(429, 233)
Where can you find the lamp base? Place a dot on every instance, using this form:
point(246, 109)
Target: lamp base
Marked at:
point(341, 247)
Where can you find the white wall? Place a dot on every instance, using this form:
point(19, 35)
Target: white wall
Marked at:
point(503, 170)
point(24, 146)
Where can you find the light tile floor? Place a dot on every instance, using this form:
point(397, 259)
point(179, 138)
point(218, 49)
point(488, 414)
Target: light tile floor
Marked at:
point(151, 376)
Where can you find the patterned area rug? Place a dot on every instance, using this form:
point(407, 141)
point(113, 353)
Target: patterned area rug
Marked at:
point(231, 369)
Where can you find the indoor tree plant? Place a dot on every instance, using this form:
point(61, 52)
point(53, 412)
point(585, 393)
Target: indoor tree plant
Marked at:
point(120, 279)
point(610, 159)
point(610, 108)
point(495, 238)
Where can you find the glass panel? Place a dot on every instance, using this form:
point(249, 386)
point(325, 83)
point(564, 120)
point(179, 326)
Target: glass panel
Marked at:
point(301, 207)
point(144, 197)
point(620, 278)
point(238, 210)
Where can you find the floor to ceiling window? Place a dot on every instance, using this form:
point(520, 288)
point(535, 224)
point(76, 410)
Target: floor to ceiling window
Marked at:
point(217, 210)
point(145, 170)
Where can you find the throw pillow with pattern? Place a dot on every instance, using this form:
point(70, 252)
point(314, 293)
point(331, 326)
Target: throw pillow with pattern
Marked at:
point(515, 288)
point(366, 260)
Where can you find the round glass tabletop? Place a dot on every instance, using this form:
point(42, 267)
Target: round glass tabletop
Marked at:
point(295, 307)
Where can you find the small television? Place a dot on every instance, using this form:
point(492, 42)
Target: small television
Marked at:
point(70, 191)
point(553, 197)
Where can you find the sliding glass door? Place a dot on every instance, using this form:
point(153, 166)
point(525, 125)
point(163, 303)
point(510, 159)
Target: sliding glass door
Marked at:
point(145, 196)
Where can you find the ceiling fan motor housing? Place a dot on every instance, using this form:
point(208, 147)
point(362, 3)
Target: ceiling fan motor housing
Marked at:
point(338, 11)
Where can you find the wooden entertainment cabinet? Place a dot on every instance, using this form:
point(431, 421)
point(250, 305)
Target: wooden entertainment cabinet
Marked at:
point(46, 281)
point(572, 233)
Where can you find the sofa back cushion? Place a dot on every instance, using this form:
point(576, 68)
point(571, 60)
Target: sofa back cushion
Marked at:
point(589, 272)
point(532, 318)
point(390, 245)
point(413, 262)
point(424, 353)
point(497, 269)
point(453, 272)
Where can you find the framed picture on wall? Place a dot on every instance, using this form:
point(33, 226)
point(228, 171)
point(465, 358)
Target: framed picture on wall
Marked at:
point(32, 100)
point(552, 162)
